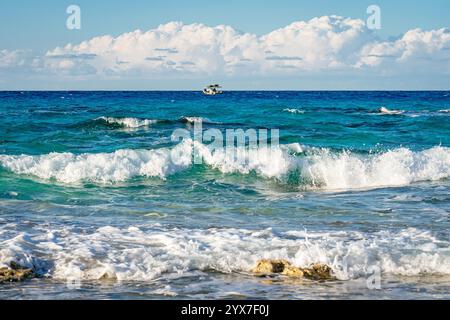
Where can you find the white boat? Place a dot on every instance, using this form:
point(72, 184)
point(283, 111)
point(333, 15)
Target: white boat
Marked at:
point(212, 90)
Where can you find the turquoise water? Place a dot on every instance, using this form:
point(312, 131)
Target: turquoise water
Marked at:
point(90, 189)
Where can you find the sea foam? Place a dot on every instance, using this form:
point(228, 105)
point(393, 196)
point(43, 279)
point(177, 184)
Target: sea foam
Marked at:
point(317, 168)
point(346, 170)
point(293, 110)
point(142, 253)
point(193, 120)
point(384, 110)
point(128, 122)
point(118, 166)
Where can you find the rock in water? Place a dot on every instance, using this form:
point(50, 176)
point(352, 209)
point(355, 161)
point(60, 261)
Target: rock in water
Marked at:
point(270, 266)
point(318, 272)
point(15, 273)
point(284, 267)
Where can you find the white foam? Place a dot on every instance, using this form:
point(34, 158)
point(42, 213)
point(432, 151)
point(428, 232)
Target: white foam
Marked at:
point(143, 254)
point(314, 168)
point(293, 110)
point(294, 147)
point(193, 120)
point(384, 110)
point(267, 162)
point(445, 111)
point(129, 122)
point(346, 170)
point(118, 166)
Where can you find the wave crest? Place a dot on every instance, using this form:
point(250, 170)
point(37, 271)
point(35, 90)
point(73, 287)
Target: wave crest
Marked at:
point(118, 166)
point(128, 122)
point(308, 167)
point(192, 120)
point(293, 110)
point(384, 110)
point(398, 167)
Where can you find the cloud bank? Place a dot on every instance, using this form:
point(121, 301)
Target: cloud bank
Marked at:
point(173, 50)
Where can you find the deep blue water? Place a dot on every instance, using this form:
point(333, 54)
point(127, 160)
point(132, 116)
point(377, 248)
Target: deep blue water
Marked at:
point(92, 186)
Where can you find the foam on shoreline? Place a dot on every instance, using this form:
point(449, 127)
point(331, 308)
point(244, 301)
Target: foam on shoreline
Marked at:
point(142, 254)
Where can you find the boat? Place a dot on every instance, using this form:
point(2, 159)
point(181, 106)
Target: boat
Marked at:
point(212, 90)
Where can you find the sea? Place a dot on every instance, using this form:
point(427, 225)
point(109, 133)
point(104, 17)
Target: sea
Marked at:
point(101, 197)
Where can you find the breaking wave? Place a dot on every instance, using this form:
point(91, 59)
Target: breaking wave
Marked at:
point(128, 122)
point(136, 123)
point(317, 168)
point(295, 111)
point(140, 253)
point(384, 110)
point(192, 120)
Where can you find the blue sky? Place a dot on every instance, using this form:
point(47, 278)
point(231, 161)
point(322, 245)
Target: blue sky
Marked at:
point(39, 27)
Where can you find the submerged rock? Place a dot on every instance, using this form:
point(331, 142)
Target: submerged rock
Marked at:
point(15, 273)
point(315, 272)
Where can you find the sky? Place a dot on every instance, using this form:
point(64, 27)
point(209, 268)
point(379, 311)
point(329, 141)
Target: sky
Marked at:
point(183, 45)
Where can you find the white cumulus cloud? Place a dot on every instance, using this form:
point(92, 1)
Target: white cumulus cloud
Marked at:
point(416, 50)
point(319, 46)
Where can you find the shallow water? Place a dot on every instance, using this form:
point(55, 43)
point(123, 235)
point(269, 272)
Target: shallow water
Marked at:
point(88, 190)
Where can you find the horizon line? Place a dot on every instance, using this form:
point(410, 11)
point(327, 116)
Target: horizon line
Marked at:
point(239, 90)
